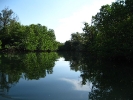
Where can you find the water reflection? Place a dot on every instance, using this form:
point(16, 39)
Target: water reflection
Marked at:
point(110, 80)
point(102, 79)
point(28, 66)
point(23, 76)
point(77, 84)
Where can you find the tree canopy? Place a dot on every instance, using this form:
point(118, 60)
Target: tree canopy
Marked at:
point(34, 37)
point(110, 34)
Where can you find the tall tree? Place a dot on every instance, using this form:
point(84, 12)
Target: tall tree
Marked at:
point(8, 20)
point(6, 16)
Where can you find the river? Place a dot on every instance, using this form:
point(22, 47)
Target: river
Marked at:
point(63, 76)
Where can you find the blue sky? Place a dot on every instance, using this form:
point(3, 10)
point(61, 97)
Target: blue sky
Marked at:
point(64, 16)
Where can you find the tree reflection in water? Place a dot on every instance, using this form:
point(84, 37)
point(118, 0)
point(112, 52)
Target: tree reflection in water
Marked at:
point(110, 80)
point(29, 66)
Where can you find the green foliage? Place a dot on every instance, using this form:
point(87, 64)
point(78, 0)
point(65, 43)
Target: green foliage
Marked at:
point(75, 44)
point(77, 41)
point(38, 37)
point(15, 36)
point(110, 34)
point(114, 24)
point(0, 44)
point(6, 17)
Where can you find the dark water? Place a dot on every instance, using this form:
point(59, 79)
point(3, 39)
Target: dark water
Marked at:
point(63, 76)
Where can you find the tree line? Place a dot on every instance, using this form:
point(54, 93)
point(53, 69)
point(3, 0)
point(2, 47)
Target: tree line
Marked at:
point(15, 36)
point(109, 35)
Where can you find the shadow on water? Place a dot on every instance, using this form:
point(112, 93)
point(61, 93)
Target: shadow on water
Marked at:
point(110, 80)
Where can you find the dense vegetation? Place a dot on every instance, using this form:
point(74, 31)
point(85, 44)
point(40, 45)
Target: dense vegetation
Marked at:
point(14, 36)
point(110, 34)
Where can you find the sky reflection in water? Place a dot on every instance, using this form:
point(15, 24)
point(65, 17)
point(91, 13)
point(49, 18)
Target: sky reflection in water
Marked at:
point(62, 84)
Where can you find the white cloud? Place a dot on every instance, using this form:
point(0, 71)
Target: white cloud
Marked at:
point(74, 23)
point(77, 85)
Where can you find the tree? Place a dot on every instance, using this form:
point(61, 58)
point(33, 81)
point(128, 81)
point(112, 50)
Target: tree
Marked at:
point(114, 23)
point(77, 41)
point(129, 5)
point(6, 16)
point(8, 21)
point(32, 37)
point(90, 33)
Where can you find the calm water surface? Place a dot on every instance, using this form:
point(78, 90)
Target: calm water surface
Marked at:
point(63, 76)
point(58, 82)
